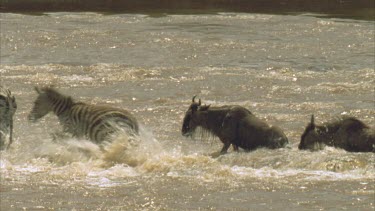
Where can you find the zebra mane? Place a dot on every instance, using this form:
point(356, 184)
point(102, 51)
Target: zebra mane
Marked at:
point(5, 92)
point(53, 95)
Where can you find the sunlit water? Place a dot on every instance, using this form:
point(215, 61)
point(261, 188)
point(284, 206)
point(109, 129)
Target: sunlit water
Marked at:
point(282, 68)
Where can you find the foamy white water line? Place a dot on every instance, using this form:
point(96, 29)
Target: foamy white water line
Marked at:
point(282, 68)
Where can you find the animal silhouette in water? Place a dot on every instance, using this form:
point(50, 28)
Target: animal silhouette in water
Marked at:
point(347, 133)
point(234, 125)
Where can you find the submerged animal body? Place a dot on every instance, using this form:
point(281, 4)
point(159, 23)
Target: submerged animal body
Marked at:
point(347, 133)
point(81, 119)
point(8, 107)
point(234, 125)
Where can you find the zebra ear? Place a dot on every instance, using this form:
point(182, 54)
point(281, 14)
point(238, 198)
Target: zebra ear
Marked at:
point(37, 89)
point(70, 100)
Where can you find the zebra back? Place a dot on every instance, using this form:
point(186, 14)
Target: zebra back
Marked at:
point(97, 122)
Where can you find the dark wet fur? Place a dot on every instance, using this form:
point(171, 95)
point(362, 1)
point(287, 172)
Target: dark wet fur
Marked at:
point(347, 133)
point(233, 125)
point(203, 134)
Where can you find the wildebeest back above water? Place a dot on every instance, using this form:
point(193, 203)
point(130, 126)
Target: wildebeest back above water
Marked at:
point(233, 125)
point(346, 132)
point(81, 119)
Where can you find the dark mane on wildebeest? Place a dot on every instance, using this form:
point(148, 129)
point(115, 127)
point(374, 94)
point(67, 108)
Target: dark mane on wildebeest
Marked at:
point(347, 133)
point(233, 125)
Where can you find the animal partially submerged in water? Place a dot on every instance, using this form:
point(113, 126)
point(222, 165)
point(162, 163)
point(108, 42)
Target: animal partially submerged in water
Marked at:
point(233, 125)
point(81, 119)
point(347, 133)
point(8, 107)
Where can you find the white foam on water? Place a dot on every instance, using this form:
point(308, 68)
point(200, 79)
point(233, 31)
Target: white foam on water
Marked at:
point(129, 156)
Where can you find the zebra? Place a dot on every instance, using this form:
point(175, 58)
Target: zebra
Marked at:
point(82, 120)
point(8, 107)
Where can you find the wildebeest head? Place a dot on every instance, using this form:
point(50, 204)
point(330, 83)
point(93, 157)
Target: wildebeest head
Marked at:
point(310, 138)
point(192, 117)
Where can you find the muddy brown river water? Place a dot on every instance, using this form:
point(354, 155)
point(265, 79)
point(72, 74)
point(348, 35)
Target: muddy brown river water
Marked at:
point(283, 68)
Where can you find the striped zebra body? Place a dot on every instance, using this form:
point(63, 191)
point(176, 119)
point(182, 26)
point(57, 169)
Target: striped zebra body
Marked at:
point(8, 107)
point(81, 119)
point(96, 122)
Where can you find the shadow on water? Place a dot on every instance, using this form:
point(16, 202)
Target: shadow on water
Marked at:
point(353, 9)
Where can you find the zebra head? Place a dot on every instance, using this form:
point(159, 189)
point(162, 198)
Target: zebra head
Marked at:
point(8, 107)
point(41, 106)
point(48, 100)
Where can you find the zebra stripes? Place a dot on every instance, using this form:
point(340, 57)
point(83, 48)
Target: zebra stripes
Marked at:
point(8, 107)
point(81, 119)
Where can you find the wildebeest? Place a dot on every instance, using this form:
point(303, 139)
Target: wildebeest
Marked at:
point(347, 133)
point(8, 107)
point(233, 125)
point(81, 119)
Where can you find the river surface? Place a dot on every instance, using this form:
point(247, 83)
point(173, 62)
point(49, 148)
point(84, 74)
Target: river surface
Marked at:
point(281, 67)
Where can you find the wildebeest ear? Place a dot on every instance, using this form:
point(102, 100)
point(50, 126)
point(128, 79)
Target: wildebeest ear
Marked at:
point(204, 108)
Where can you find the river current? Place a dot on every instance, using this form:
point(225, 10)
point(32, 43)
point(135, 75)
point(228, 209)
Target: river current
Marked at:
point(283, 68)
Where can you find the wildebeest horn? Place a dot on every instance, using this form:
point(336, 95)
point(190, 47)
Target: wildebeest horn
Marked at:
point(199, 102)
point(194, 98)
point(312, 120)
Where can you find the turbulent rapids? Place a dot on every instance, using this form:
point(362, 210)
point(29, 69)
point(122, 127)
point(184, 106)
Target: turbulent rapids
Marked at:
point(281, 68)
